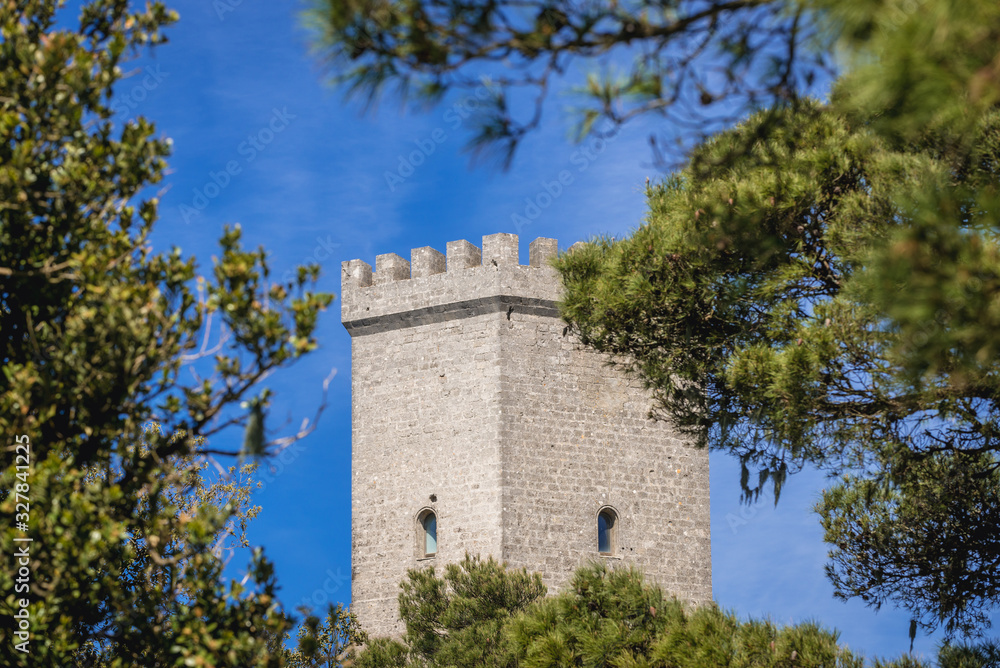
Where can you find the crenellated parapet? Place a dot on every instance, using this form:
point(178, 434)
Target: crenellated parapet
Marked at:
point(434, 287)
point(481, 425)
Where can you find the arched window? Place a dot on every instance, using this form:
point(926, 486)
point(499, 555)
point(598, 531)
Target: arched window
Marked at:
point(427, 534)
point(607, 532)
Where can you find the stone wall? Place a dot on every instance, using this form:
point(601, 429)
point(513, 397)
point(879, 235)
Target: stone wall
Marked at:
point(470, 399)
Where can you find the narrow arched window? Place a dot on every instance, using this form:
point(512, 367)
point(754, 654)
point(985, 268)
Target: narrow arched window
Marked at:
point(428, 524)
point(606, 531)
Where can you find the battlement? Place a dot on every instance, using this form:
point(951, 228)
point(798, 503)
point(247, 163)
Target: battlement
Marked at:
point(474, 405)
point(435, 287)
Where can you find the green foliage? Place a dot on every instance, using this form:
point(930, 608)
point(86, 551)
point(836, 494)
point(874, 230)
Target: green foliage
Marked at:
point(981, 655)
point(457, 619)
point(759, 303)
point(681, 56)
point(91, 314)
point(728, 302)
point(122, 577)
point(330, 644)
point(923, 535)
point(921, 63)
point(927, 64)
point(126, 528)
point(613, 618)
point(605, 618)
point(481, 614)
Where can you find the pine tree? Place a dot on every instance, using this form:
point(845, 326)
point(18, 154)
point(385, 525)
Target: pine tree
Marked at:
point(458, 618)
point(612, 617)
point(755, 304)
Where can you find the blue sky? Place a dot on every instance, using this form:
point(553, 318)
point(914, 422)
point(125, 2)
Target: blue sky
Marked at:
point(260, 139)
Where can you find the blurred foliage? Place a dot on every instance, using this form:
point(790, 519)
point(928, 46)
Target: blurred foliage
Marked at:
point(332, 643)
point(769, 304)
point(697, 64)
point(128, 526)
point(984, 654)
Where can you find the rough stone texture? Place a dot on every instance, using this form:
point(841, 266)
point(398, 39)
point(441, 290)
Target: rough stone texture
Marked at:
point(356, 272)
point(500, 249)
point(541, 250)
point(469, 399)
point(426, 262)
point(391, 267)
point(462, 255)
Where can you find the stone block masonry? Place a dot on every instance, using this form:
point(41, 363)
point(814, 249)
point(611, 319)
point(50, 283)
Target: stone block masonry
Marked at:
point(472, 402)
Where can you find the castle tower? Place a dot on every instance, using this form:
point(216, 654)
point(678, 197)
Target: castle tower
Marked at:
point(479, 425)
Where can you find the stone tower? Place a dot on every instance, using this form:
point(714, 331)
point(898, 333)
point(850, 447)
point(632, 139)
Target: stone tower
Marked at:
point(480, 426)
